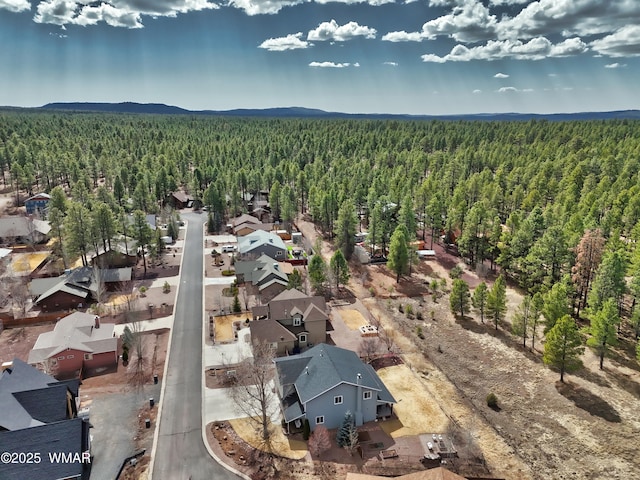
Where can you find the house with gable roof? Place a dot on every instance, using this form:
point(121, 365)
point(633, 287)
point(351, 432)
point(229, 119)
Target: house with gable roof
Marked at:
point(264, 277)
point(291, 321)
point(255, 244)
point(38, 203)
point(77, 342)
point(39, 414)
point(324, 382)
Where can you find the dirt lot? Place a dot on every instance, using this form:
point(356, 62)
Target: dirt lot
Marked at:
point(586, 429)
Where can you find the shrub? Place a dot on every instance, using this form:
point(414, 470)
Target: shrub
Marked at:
point(419, 315)
point(228, 273)
point(492, 401)
point(408, 310)
point(372, 291)
point(456, 272)
point(166, 288)
point(143, 290)
point(419, 333)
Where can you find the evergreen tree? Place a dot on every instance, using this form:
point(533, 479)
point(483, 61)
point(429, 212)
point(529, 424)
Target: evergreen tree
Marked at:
point(398, 260)
point(339, 269)
point(609, 281)
point(347, 436)
point(346, 228)
point(479, 299)
point(460, 297)
point(294, 280)
point(317, 273)
point(563, 346)
point(603, 329)
point(497, 301)
point(555, 304)
point(522, 319)
point(142, 234)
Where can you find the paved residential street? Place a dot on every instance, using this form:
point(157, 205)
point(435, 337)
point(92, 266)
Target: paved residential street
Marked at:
point(181, 453)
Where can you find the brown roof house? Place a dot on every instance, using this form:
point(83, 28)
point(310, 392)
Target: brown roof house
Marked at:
point(438, 473)
point(77, 343)
point(180, 200)
point(291, 322)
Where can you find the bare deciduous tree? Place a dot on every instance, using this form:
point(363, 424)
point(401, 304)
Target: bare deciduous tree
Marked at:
point(137, 371)
point(253, 390)
point(320, 441)
point(368, 348)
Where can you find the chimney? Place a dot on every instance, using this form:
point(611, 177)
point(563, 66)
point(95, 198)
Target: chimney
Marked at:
point(97, 322)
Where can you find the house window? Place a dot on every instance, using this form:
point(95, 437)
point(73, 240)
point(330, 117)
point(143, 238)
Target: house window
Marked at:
point(61, 357)
point(366, 395)
point(69, 357)
point(297, 321)
point(279, 253)
point(320, 420)
point(337, 400)
point(303, 338)
point(88, 356)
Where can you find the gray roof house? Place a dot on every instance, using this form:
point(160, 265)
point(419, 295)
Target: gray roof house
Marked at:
point(259, 242)
point(39, 414)
point(23, 230)
point(264, 277)
point(325, 382)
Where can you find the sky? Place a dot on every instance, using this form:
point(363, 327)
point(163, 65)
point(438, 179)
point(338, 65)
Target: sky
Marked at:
point(431, 57)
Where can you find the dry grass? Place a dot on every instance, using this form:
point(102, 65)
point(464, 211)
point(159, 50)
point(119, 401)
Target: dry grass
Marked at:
point(224, 326)
point(417, 411)
point(281, 445)
point(353, 319)
point(28, 262)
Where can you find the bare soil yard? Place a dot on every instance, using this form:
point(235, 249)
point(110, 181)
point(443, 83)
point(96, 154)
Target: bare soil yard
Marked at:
point(586, 429)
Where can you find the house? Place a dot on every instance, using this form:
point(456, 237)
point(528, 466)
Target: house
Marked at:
point(325, 382)
point(37, 204)
point(39, 414)
point(77, 287)
point(263, 277)
point(77, 342)
point(117, 256)
point(259, 242)
point(179, 200)
point(303, 316)
point(23, 231)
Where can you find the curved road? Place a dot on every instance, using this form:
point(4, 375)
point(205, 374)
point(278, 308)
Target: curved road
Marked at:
point(180, 452)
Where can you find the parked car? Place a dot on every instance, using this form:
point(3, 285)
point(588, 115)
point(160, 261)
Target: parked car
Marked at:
point(228, 249)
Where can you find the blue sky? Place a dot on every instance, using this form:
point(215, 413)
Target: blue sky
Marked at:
point(358, 56)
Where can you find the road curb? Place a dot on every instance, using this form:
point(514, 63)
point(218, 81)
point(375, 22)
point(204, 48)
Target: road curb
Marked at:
point(204, 326)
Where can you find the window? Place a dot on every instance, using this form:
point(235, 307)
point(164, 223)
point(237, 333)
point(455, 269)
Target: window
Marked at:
point(88, 356)
point(320, 420)
point(303, 338)
point(337, 400)
point(366, 395)
point(279, 253)
point(297, 321)
point(61, 357)
point(69, 357)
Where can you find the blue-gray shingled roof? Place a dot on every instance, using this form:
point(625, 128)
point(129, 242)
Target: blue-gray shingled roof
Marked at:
point(323, 367)
point(69, 436)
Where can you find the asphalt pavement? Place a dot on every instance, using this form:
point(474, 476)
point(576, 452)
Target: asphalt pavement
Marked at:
point(180, 452)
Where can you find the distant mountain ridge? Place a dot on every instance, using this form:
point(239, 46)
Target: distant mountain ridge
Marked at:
point(302, 112)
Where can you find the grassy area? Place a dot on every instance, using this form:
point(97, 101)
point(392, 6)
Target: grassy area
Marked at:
point(353, 319)
point(417, 411)
point(281, 445)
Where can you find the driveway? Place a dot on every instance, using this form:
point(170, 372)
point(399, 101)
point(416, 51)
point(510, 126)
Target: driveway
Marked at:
point(114, 416)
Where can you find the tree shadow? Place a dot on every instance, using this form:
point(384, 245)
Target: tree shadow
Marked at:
point(588, 402)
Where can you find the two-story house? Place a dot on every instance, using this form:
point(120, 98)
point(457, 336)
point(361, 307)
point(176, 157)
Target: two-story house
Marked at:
point(325, 382)
point(253, 245)
point(291, 321)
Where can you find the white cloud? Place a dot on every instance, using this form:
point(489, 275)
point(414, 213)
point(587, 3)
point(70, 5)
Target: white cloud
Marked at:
point(117, 13)
point(514, 90)
point(616, 65)
point(391, 64)
point(333, 65)
point(261, 7)
point(476, 91)
point(534, 49)
point(501, 75)
point(340, 33)
point(623, 43)
point(15, 5)
point(402, 36)
point(290, 42)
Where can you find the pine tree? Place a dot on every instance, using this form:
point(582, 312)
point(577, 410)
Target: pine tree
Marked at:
point(603, 329)
point(522, 319)
point(460, 297)
point(564, 346)
point(339, 269)
point(317, 273)
point(479, 300)
point(497, 301)
point(398, 260)
point(347, 436)
point(346, 228)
